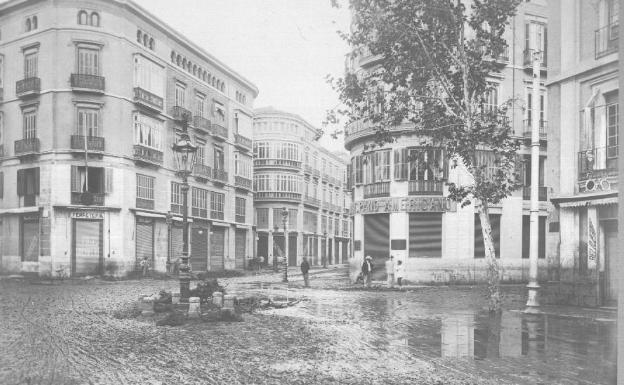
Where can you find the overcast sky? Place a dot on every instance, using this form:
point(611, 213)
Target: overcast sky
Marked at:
point(285, 47)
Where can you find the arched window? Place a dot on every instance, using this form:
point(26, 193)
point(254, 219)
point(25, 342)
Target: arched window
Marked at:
point(95, 19)
point(82, 17)
point(173, 56)
point(195, 70)
point(28, 25)
point(145, 40)
point(34, 22)
point(213, 82)
point(151, 43)
point(222, 87)
point(178, 60)
point(139, 36)
point(184, 63)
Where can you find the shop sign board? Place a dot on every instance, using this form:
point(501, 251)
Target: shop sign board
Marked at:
point(411, 204)
point(87, 214)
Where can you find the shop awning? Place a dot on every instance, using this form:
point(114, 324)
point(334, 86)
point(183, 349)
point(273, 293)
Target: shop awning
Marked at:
point(597, 199)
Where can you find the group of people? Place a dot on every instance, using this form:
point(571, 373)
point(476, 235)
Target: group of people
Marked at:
point(393, 271)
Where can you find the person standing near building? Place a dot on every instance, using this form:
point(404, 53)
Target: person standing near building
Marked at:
point(367, 270)
point(390, 271)
point(399, 272)
point(305, 268)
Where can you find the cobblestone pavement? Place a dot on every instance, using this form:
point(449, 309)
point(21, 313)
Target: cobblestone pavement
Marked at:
point(67, 334)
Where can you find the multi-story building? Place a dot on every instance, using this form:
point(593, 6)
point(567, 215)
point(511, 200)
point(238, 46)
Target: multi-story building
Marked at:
point(292, 171)
point(400, 204)
point(94, 94)
point(583, 148)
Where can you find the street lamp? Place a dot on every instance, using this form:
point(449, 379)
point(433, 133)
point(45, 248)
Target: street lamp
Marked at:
point(285, 223)
point(185, 152)
point(275, 230)
point(325, 251)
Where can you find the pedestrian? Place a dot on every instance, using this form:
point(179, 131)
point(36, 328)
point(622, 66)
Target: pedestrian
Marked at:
point(390, 271)
point(144, 266)
point(367, 270)
point(399, 272)
point(305, 268)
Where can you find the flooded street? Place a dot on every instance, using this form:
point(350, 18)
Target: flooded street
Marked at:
point(68, 334)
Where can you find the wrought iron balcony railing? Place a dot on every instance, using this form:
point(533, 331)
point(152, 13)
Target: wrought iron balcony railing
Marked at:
point(146, 204)
point(94, 143)
point(528, 58)
point(148, 155)
point(202, 171)
point(88, 82)
point(277, 195)
point(379, 189)
point(243, 182)
point(88, 198)
point(201, 123)
point(242, 142)
point(27, 87)
point(180, 113)
point(307, 169)
point(27, 146)
point(542, 193)
point(425, 187)
point(220, 175)
point(606, 40)
point(148, 99)
point(277, 162)
point(219, 131)
point(311, 201)
point(543, 128)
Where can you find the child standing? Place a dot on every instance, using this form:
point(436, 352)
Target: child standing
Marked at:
point(399, 272)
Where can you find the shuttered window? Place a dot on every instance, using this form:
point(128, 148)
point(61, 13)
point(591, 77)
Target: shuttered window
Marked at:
point(148, 131)
point(28, 181)
point(95, 180)
point(240, 205)
point(31, 64)
point(216, 205)
point(145, 187)
point(29, 123)
point(262, 218)
point(199, 202)
point(88, 61)
point(89, 121)
point(479, 247)
point(425, 235)
point(149, 76)
point(400, 164)
point(176, 198)
point(240, 248)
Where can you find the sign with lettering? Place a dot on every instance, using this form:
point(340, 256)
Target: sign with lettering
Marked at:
point(87, 215)
point(412, 204)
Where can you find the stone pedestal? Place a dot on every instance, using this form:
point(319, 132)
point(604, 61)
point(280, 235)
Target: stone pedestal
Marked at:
point(146, 304)
point(194, 310)
point(217, 299)
point(228, 302)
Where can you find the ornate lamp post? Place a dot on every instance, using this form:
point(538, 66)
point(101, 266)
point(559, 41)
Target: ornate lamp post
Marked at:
point(185, 152)
point(285, 223)
point(275, 230)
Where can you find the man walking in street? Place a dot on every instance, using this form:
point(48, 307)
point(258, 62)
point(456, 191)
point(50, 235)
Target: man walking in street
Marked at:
point(390, 271)
point(367, 270)
point(305, 268)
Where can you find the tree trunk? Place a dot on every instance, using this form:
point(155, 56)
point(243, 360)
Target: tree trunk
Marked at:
point(493, 270)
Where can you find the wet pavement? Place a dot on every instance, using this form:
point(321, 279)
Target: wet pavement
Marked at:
point(68, 334)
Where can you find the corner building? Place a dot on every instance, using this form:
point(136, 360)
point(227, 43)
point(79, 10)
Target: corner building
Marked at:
point(583, 154)
point(292, 170)
point(399, 189)
point(92, 97)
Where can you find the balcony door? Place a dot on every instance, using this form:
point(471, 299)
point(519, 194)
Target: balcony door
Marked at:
point(88, 61)
point(87, 258)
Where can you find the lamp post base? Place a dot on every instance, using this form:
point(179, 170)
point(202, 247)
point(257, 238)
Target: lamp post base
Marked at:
point(185, 286)
point(532, 299)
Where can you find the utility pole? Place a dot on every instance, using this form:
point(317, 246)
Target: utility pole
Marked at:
point(533, 286)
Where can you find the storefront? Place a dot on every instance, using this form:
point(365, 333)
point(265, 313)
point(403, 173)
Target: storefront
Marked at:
point(240, 248)
point(29, 237)
point(199, 247)
point(217, 248)
point(144, 241)
point(87, 243)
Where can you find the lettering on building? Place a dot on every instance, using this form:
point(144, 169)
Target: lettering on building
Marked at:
point(404, 204)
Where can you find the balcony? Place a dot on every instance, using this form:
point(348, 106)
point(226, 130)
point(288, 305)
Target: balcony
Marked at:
point(362, 129)
point(87, 198)
point(242, 142)
point(542, 193)
point(202, 171)
point(375, 190)
point(94, 143)
point(606, 40)
point(277, 196)
point(277, 163)
point(201, 123)
point(181, 114)
point(238, 218)
point(27, 87)
point(145, 204)
point(307, 169)
point(219, 132)
point(425, 187)
point(528, 124)
point(27, 146)
point(311, 201)
point(220, 175)
point(216, 214)
point(199, 212)
point(600, 162)
point(316, 173)
point(148, 155)
point(242, 182)
point(91, 83)
point(148, 99)
point(176, 209)
point(527, 55)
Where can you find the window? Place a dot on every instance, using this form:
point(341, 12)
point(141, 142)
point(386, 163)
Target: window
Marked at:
point(180, 98)
point(612, 128)
point(149, 76)
point(262, 218)
point(199, 202)
point(31, 23)
point(535, 37)
point(200, 105)
point(148, 131)
point(89, 179)
point(83, 17)
point(28, 185)
point(310, 221)
point(358, 167)
point(145, 187)
point(218, 111)
point(31, 63)
point(95, 19)
point(262, 150)
point(242, 165)
point(490, 98)
point(200, 158)
point(426, 164)
point(29, 123)
point(530, 107)
point(88, 122)
point(88, 61)
point(216, 205)
point(240, 204)
point(262, 182)
point(382, 166)
point(176, 198)
point(219, 158)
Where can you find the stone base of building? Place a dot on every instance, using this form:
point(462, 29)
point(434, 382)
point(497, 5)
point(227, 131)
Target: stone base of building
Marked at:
point(575, 293)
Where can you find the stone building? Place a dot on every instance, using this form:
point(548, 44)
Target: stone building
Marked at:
point(92, 97)
point(292, 171)
point(400, 205)
point(583, 148)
